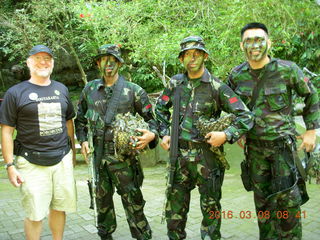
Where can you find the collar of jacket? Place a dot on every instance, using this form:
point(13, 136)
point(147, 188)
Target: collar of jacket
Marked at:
point(101, 83)
point(246, 67)
point(204, 78)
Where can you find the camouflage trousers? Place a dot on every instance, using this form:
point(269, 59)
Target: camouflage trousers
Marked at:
point(120, 175)
point(191, 170)
point(276, 193)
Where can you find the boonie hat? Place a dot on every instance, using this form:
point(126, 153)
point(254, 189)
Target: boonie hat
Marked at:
point(192, 42)
point(109, 49)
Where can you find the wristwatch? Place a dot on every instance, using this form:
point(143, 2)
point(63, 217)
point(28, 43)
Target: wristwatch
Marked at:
point(6, 166)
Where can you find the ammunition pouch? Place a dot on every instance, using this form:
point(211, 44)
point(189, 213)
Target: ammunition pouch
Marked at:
point(102, 145)
point(214, 184)
point(216, 173)
point(108, 136)
point(138, 175)
point(245, 170)
point(188, 145)
point(89, 183)
point(109, 148)
point(245, 175)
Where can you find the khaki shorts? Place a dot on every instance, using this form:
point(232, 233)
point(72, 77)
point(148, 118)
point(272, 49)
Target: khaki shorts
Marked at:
point(47, 187)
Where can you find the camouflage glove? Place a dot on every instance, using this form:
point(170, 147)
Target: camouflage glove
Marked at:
point(124, 128)
point(205, 126)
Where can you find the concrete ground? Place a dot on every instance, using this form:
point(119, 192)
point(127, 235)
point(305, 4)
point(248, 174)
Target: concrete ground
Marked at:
point(80, 225)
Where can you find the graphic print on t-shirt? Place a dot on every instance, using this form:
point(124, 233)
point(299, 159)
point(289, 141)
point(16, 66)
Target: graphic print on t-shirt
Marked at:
point(50, 119)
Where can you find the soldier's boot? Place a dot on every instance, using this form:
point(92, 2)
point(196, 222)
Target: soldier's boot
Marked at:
point(107, 237)
point(145, 236)
point(104, 235)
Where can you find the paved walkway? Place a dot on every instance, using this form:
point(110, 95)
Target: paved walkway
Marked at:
point(80, 225)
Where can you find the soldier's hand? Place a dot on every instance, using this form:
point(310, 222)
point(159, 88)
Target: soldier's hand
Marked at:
point(85, 150)
point(308, 140)
point(216, 139)
point(242, 141)
point(143, 141)
point(165, 143)
point(14, 176)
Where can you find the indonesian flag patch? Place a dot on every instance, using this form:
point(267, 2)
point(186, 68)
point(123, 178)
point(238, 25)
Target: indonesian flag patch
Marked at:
point(165, 98)
point(233, 99)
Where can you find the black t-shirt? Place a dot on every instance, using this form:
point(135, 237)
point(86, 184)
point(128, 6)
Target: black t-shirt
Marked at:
point(39, 113)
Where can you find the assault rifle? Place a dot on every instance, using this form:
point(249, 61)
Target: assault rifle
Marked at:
point(173, 147)
point(92, 182)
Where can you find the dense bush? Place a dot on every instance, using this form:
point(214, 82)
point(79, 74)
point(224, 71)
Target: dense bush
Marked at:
point(150, 31)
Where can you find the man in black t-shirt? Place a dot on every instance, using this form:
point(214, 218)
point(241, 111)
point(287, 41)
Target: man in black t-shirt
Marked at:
point(41, 112)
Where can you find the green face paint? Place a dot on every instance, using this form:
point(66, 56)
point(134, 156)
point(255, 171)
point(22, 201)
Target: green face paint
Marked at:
point(255, 48)
point(109, 66)
point(193, 60)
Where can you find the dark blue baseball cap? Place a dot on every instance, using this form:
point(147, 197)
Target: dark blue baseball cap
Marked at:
point(40, 48)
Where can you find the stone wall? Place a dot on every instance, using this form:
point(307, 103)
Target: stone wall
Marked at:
point(65, 71)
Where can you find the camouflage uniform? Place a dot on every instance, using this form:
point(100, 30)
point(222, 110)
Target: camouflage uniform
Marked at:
point(196, 164)
point(271, 144)
point(113, 171)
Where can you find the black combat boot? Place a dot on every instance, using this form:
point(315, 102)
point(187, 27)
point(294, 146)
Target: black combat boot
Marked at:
point(108, 237)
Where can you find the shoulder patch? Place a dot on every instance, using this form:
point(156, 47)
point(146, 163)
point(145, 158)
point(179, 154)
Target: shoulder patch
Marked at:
point(233, 100)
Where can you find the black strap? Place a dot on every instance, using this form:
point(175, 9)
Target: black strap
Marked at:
point(256, 91)
point(113, 104)
point(174, 134)
point(299, 166)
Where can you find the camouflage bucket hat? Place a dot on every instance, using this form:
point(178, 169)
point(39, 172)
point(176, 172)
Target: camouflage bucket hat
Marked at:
point(109, 49)
point(192, 42)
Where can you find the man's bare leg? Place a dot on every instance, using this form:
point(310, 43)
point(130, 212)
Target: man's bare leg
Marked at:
point(57, 220)
point(32, 229)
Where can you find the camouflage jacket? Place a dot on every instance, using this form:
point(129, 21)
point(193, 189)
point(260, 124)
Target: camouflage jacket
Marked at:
point(273, 107)
point(206, 97)
point(92, 107)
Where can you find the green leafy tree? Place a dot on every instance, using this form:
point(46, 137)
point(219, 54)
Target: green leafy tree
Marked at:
point(50, 22)
point(150, 31)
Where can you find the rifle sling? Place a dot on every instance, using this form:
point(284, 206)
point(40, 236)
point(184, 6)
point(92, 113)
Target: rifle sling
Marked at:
point(174, 134)
point(256, 91)
point(113, 104)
